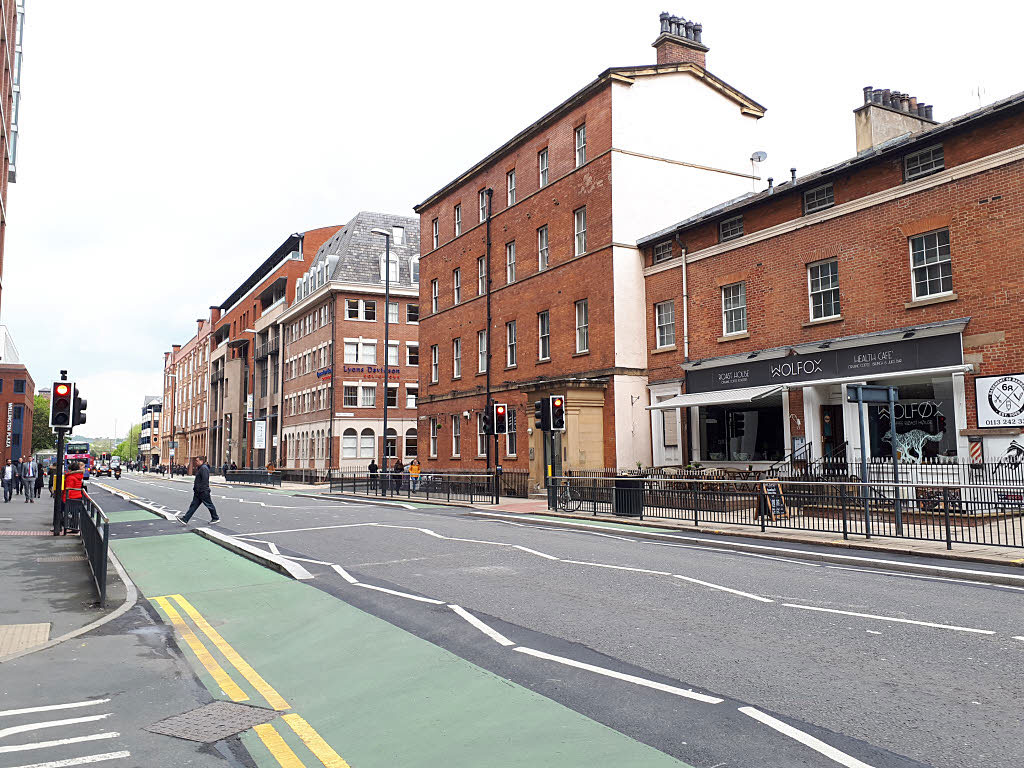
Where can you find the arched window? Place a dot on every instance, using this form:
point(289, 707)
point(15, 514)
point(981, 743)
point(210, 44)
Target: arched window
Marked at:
point(414, 269)
point(367, 442)
point(391, 444)
point(411, 445)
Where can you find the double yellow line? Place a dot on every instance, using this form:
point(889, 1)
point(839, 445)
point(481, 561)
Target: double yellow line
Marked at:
point(271, 739)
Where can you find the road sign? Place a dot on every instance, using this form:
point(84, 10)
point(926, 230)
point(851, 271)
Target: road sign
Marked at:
point(869, 393)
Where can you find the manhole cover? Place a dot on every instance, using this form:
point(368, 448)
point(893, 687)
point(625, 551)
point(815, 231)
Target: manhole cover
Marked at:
point(61, 559)
point(213, 722)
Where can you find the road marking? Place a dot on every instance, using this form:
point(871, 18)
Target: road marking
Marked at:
point(684, 692)
point(400, 594)
point(273, 698)
point(345, 574)
point(315, 742)
point(534, 552)
point(59, 742)
point(222, 678)
point(494, 634)
point(926, 578)
point(1018, 637)
point(306, 560)
point(618, 567)
point(88, 760)
point(303, 530)
point(724, 589)
point(4, 732)
point(51, 707)
point(804, 738)
point(891, 618)
point(282, 752)
point(273, 548)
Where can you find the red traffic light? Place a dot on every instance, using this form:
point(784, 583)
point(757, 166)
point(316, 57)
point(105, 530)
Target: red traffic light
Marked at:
point(63, 390)
point(501, 409)
point(558, 402)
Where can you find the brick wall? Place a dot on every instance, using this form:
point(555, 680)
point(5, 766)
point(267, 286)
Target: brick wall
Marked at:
point(9, 399)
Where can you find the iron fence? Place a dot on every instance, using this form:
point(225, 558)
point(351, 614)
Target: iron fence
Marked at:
point(464, 486)
point(966, 513)
point(305, 475)
point(254, 476)
point(94, 528)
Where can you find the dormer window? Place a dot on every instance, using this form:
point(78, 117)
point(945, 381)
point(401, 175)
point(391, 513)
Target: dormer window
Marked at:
point(393, 270)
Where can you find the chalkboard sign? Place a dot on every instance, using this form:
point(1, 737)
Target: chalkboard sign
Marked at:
point(775, 500)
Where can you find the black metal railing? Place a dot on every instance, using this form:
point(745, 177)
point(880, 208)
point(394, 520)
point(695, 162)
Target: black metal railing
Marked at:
point(968, 513)
point(474, 487)
point(254, 476)
point(305, 475)
point(95, 531)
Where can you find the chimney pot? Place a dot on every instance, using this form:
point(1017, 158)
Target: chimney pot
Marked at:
point(886, 97)
point(697, 30)
point(665, 17)
point(929, 111)
point(876, 96)
point(771, 185)
point(868, 90)
point(688, 27)
point(792, 175)
point(913, 104)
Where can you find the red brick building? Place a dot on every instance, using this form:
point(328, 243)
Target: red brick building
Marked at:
point(531, 281)
point(334, 350)
point(186, 385)
point(237, 365)
point(902, 266)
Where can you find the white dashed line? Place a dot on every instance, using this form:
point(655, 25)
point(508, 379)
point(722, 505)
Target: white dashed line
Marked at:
point(4, 732)
point(494, 634)
point(395, 592)
point(618, 567)
point(805, 738)
point(684, 692)
point(51, 707)
point(345, 574)
point(87, 760)
point(723, 589)
point(891, 618)
point(59, 742)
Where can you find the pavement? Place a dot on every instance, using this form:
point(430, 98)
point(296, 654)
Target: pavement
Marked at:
point(423, 635)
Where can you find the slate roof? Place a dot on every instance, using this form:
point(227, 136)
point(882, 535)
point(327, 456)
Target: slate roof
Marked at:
point(359, 252)
point(893, 146)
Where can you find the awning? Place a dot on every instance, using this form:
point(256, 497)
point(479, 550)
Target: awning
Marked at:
point(718, 397)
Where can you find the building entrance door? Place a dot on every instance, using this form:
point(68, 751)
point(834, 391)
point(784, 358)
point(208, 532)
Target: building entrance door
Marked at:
point(832, 434)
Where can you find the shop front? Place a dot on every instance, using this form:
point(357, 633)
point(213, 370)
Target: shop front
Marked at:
point(762, 408)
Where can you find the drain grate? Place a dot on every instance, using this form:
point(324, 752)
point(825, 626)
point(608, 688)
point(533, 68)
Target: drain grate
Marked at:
point(61, 559)
point(213, 722)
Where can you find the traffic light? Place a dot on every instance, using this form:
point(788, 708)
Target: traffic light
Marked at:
point(488, 421)
point(500, 419)
point(557, 413)
point(78, 411)
point(60, 404)
point(542, 414)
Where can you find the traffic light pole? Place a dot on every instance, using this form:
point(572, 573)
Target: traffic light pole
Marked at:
point(58, 483)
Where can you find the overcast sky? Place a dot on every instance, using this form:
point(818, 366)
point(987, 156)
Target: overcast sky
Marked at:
point(166, 149)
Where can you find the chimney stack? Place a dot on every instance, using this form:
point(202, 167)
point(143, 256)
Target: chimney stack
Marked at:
point(214, 314)
point(680, 41)
point(887, 114)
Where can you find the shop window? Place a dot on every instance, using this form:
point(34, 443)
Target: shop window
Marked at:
point(348, 444)
point(366, 443)
point(741, 433)
point(925, 422)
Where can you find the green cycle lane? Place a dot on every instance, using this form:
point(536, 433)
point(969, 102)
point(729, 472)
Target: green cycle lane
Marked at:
point(380, 696)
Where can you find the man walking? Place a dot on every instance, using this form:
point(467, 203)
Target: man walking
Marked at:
point(8, 480)
point(17, 474)
point(28, 478)
point(201, 493)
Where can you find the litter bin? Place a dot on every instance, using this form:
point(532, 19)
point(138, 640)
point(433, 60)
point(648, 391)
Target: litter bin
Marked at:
point(629, 497)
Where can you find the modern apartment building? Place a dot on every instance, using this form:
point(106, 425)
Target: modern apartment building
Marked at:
point(901, 266)
point(335, 358)
point(234, 342)
point(531, 281)
point(149, 434)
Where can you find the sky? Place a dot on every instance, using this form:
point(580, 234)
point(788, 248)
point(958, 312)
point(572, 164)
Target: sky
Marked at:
point(166, 149)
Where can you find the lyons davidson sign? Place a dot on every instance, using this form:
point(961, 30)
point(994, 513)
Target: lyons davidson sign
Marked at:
point(869, 361)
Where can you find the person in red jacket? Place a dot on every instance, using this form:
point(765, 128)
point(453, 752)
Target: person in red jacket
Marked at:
point(72, 495)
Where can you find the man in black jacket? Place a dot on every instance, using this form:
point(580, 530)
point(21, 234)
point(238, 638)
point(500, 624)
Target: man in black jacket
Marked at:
point(201, 493)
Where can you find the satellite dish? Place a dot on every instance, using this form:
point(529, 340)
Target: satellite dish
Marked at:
point(759, 157)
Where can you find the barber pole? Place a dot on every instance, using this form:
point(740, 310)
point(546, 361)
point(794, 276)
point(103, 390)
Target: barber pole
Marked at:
point(977, 452)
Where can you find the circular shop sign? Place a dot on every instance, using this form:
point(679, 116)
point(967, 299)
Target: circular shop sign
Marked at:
point(1006, 396)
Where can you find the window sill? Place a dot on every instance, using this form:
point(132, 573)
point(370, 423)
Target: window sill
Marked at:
point(931, 300)
point(822, 321)
point(543, 361)
point(481, 373)
point(733, 337)
point(511, 367)
point(584, 353)
point(456, 378)
point(660, 350)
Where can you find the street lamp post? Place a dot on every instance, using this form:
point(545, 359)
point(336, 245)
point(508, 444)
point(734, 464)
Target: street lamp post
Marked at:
point(387, 314)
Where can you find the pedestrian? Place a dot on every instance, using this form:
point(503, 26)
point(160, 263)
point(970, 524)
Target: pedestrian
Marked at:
point(8, 480)
point(396, 475)
point(51, 473)
point(414, 473)
point(17, 474)
point(72, 495)
point(234, 467)
point(29, 470)
point(39, 481)
point(373, 469)
point(201, 493)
